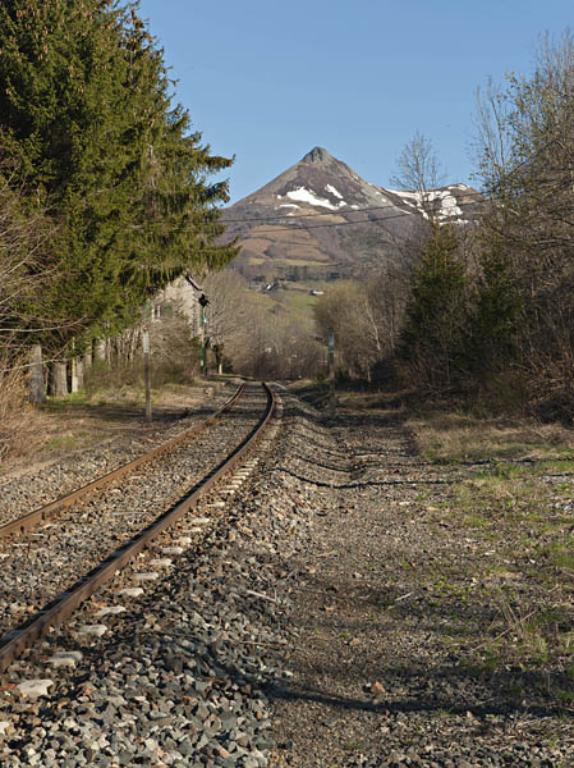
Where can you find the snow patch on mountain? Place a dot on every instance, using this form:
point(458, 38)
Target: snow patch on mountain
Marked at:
point(443, 202)
point(334, 191)
point(450, 207)
point(303, 195)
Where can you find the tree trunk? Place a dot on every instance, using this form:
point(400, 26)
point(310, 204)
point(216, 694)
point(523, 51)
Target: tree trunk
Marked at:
point(80, 372)
point(116, 351)
point(36, 383)
point(74, 386)
point(133, 344)
point(58, 380)
point(100, 350)
point(87, 359)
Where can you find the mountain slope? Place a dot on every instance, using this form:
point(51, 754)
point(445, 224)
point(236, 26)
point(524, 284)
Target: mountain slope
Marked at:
point(319, 220)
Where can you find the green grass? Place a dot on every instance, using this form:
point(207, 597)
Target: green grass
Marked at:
point(62, 443)
point(513, 510)
point(298, 299)
point(55, 404)
point(297, 262)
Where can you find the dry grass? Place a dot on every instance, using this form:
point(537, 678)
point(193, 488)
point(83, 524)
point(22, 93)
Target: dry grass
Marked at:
point(450, 437)
point(32, 436)
point(19, 427)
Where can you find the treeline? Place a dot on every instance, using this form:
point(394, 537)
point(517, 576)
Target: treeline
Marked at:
point(255, 336)
point(105, 191)
point(487, 312)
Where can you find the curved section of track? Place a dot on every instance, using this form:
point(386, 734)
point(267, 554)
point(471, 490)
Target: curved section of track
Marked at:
point(61, 607)
point(41, 515)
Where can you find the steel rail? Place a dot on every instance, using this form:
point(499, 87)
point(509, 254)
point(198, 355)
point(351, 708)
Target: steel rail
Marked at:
point(38, 516)
point(62, 607)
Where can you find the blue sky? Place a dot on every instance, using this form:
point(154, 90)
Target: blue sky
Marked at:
point(266, 80)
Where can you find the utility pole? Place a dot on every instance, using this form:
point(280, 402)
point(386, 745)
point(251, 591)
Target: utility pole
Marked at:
point(147, 373)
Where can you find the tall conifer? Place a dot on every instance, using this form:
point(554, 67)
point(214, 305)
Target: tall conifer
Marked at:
point(433, 332)
point(87, 121)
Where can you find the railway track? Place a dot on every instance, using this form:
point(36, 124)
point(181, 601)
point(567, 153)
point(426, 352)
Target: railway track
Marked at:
point(49, 571)
point(12, 525)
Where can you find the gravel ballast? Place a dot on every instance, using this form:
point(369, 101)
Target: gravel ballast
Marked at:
point(177, 677)
point(45, 482)
point(42, 563)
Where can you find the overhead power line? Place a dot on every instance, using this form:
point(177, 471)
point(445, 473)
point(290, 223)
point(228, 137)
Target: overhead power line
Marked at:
point(270, 220)
point(479, 198)
point(273, 228)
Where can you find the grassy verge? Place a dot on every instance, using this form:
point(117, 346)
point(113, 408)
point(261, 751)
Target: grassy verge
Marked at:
point(454, 437)
point(526, 516)
point(106, 409)
point(515, 515)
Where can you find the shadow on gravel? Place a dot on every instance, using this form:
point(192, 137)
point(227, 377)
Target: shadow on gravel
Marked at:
point(421, 674)
point(492, 698)
point(279, 691)
point(356, 485)
point(122, 413)
point(455, 685)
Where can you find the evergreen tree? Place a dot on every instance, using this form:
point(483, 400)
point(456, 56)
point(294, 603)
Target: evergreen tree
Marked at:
point(86, 118)
point(496, 314)
point(432, 337)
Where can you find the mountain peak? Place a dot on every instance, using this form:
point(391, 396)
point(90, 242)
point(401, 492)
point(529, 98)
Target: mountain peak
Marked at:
point(317, 155)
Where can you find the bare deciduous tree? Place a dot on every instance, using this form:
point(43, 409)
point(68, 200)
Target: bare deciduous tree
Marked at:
point(227, 311)
point(254, 336)
point(419, 170)
point(366, 317)
point(526, 139)
point(23, 240)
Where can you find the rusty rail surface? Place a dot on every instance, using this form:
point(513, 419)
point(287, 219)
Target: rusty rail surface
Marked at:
point(59, 610)
point(39, 516)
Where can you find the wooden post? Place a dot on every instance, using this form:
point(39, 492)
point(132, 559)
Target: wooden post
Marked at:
point(203, 302)
point(36, 383)
point(74, 369)
point(147, 374)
